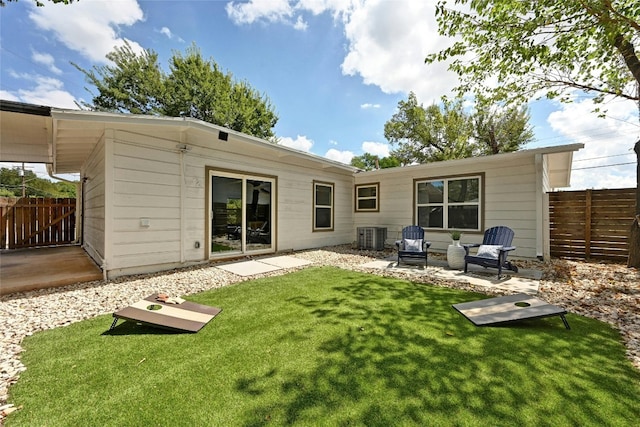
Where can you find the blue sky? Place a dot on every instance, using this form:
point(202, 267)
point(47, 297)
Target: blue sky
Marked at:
point(334, 69)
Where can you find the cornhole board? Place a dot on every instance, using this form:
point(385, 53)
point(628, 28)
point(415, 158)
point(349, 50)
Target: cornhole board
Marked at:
point(187, 316)
point(509, 308)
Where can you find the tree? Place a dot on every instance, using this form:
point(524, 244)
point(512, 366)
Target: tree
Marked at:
point(524, 49)
point(369, 162)
point(14, 181)
point(194, 87)
point(133, 84)
point(500, 130)
point(434, 133)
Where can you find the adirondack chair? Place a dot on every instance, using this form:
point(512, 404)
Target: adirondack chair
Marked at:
point(493, 250)
point(259, 235)
point(412, 245)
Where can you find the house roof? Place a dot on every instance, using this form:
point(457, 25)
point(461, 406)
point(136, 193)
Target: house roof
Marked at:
point(559, 158)
point(64, 138)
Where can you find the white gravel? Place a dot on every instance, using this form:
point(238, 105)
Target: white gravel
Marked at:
point(608, 292)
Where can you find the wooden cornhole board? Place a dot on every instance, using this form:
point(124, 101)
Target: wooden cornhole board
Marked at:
point(187, 316)
point(509, 308)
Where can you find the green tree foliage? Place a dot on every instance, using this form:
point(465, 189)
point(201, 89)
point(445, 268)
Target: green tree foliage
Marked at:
point(434, 133)
point(515, 50)
point(133, 84)
point(12, 182)
point(524, 48)
point(369, 162)
point(500, 130)
point(193, 87)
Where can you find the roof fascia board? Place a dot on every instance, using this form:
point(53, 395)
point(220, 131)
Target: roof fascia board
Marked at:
point(187, 123)
point(487, 159)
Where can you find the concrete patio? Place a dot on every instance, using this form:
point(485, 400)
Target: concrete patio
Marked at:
point(524, 281)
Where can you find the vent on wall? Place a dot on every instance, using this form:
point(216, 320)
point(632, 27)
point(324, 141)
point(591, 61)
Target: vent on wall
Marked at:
point(223, 136)
point(371, 238)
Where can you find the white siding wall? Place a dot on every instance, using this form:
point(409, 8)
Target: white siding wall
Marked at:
point(294, 175)
point(94, 204)
point(154, 181)
point(146, 187)
point(509, 199)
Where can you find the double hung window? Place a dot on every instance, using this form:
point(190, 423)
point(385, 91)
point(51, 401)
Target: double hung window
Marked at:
point(449, 203)
point(367, 197)
point(322, 206)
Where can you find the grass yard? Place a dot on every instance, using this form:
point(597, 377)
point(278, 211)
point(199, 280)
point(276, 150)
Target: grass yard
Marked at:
point(325, 346)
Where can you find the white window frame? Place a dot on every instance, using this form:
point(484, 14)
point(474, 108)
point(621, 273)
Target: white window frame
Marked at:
point(316, 185)
point(446, 204)
point(376, 208)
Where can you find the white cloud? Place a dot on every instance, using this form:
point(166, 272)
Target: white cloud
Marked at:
point(379, 149)
point(300, 24)
point(257, 11)
point(166, 31)
point(89, 27)
point(9, 96)
point(301, 143)
point(42, 90)
point(387, 41)
point(367, 106)
point(46, 60)
point(339, 156)
point(608, 141)
point(47, 91)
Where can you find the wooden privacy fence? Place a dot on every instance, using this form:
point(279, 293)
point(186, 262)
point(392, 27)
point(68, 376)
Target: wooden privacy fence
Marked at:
point(31, 222)
point(591, 224)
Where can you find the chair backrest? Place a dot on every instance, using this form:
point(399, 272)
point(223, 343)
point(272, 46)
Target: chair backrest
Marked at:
point(413, 232)
point(500, 235)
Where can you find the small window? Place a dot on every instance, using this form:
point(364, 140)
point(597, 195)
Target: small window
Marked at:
point(367, 197)
point(447, 204)
point(322, 206)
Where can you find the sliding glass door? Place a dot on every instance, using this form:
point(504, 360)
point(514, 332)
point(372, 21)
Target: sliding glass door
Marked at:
point(241, 212)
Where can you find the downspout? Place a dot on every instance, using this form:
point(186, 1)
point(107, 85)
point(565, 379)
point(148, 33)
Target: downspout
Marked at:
point(182, 148)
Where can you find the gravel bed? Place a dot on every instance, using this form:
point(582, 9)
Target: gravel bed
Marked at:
point(608, 292)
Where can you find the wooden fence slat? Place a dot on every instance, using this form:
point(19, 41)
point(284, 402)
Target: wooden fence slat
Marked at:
point(31, 222)
point(591, 224)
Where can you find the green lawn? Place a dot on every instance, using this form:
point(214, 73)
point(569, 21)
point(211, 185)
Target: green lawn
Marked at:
point(325, 346)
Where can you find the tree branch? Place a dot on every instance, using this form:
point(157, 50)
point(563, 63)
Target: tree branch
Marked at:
point(626, 49)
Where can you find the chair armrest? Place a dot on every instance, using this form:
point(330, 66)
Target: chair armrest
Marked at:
point(470, 245)
point(399, 244)
point(507, 248)
point(426, 245)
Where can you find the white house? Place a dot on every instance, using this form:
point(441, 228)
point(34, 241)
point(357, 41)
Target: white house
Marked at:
point(158, 192)
point(469, 195)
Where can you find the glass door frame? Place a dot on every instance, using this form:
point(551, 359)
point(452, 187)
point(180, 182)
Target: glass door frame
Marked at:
point(244, 177)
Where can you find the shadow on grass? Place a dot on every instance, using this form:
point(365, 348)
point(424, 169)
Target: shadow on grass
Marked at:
point(325, 346)
point(404, 355)
point(127, 327)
